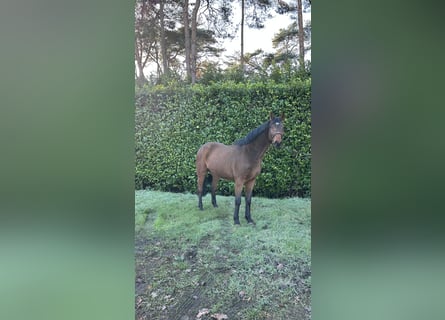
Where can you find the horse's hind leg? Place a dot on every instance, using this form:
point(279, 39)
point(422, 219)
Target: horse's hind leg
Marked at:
point(200, 188)
point(215, 180)
point(249, 187)
point(201, 172)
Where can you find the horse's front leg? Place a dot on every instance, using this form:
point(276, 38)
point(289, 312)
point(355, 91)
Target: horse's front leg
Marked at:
point(248, 191)
point(238, 191)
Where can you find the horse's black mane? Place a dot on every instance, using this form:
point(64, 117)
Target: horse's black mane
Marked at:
point(252, 135)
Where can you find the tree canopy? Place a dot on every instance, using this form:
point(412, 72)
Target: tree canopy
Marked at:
point(184, 40)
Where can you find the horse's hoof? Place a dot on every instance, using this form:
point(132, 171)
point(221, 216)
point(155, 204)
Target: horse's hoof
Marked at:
point(251, 222)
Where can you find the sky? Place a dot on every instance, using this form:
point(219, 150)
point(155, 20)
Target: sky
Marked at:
point(260, 38)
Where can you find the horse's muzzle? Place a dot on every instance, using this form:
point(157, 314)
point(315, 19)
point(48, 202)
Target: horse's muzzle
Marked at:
point(276, 140)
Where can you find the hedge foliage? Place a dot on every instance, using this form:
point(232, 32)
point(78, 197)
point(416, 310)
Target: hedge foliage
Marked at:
point(172, 123)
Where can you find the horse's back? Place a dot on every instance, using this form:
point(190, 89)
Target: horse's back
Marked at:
point(213, 147)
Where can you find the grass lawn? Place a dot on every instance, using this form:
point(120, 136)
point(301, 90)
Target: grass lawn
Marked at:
point(188, 260)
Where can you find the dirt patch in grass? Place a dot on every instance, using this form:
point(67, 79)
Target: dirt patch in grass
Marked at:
point(242, 272)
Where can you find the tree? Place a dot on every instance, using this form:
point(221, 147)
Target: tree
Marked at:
point(297, 29)
point(176, 38)
point(153, 27)
point(162, 38)
point(217, 17)
point(190, 38)
point(145, 38)
point(193, 53)
point(242, 36)
point(186, 24)
point(257, 13)
point(300, 34)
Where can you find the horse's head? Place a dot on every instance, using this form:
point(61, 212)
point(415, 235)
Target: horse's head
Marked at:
point(276, 129)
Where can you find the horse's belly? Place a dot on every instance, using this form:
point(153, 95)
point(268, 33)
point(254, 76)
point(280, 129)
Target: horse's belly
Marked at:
point(220, 162)
point(222, 170)
point(230, 171)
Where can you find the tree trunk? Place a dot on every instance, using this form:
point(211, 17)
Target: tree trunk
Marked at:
point(193, 42)
point(141, 80)
point(300, 34)
point(140, 13)
point(163, 41)
point(242, 37)
point(187, 39)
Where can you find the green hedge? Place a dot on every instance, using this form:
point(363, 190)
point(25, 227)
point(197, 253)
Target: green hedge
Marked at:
point(172, 123)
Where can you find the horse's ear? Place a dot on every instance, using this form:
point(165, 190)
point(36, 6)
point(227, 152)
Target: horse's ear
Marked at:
point(271, 116)
point(282, 116)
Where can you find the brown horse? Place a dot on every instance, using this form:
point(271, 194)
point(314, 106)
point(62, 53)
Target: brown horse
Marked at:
point(239, 162)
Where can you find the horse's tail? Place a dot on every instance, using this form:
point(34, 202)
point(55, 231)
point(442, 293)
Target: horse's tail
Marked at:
point(207, 185)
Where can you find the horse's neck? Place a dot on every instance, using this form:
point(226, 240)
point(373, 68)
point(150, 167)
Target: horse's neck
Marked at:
point(258, 147)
